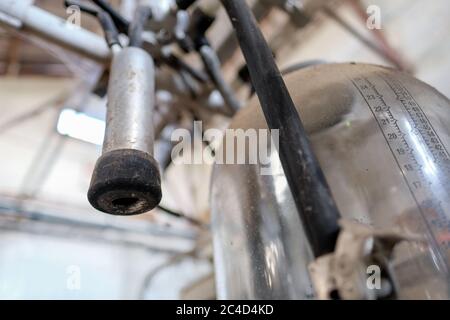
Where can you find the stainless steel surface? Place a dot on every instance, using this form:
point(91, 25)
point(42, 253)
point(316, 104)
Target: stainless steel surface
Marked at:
point(382, 139)
point(130, 102)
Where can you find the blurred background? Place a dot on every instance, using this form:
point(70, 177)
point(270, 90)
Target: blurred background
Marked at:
point(53, 244)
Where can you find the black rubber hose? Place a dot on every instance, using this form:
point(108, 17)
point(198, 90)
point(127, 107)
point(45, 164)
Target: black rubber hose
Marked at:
point(121, 23)
point(107, 23)
point(312, 196)
point(109, 28)
point(178, 64)
point(184, 4)
point(182, 216)
point(86, 8)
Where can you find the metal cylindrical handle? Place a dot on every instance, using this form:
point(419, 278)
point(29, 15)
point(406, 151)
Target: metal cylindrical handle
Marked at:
point(126, 178)
point(131, 100)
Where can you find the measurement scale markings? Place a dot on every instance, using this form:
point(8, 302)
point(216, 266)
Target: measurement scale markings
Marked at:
point(437, 150)
point(405, 157)
point(422, 124)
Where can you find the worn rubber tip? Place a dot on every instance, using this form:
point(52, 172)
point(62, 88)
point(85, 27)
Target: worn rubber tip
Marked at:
point(125, 182)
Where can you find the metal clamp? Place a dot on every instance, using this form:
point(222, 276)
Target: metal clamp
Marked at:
point(343, 273)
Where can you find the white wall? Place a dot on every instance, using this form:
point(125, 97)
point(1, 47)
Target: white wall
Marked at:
point(418, 29)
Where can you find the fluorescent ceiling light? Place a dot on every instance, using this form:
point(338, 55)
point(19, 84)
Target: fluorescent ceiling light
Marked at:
point(80, 126)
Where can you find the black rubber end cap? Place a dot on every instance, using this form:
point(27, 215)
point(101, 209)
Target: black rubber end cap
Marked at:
point(125, 182)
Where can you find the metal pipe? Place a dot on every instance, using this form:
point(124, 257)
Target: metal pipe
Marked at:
point(54, 102)
point(306, 180)
point(131, 102)
point(384, 51)
point(142, 14)
point(126, 178)
point(54, 29)
point(183, 216)
point(33, 221)
point(212, 65)
point(390, 53)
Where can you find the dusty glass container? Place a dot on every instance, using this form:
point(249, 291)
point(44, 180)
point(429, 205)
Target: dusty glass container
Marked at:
point(382, 139)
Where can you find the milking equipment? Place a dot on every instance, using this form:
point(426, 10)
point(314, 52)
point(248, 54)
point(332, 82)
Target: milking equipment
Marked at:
point(126, 178)
point(360, 182)
point(381, 138)
point(354, 201)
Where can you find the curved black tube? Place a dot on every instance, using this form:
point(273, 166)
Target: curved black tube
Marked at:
point(184, 4)
point(121, 23)
point(309, 188)
point(182, 216)
point(107, 23)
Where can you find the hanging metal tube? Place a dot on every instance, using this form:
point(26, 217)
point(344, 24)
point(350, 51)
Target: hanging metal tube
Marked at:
point(126, 178)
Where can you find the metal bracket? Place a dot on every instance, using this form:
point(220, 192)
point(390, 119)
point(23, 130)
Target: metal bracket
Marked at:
point(360, 250)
